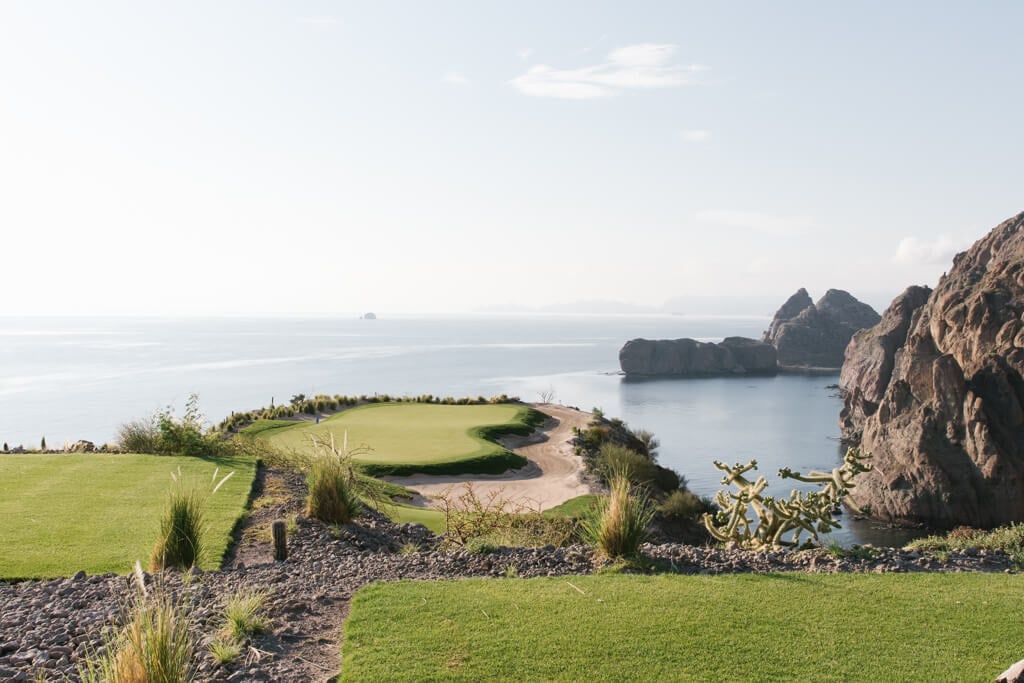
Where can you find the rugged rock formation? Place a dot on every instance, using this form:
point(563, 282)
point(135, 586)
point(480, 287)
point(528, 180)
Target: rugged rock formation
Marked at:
point(935, 393)
point(691, 358)
point(814, 336)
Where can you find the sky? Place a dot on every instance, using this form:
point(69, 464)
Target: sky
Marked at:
point(260, 158)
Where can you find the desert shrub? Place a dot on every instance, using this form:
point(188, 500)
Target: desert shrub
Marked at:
point(614, 460)
point(154, 646)
point(331, 497)
point(492, 520)
point(225, 651)
point(335, 483)
point(684, 505)
point(243, 615)
point(182, 525)
point(1009, 539)
point(621, 523)
point(138, 436)
point(480, 546)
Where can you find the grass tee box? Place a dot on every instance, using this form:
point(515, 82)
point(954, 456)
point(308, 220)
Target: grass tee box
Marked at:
point(101, 512)
point(782, 627)
point(408, 438)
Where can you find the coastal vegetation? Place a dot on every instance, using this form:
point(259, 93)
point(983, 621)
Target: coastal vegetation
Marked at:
point(687, 628)
point(407, 438)
point(60, 513)
point(610, 450)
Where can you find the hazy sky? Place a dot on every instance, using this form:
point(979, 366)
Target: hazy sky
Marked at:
point(256, 157)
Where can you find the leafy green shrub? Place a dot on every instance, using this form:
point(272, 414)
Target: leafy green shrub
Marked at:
point(621, 524)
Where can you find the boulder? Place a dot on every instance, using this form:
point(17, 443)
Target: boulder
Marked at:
point(82, 446)
point(691, 358)
point(935, 393)
point(815, 336)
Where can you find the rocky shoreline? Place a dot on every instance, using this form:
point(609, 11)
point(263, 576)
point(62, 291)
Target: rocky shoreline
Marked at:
point(49, 626)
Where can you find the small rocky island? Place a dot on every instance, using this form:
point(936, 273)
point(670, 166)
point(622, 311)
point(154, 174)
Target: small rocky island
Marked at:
point(812, 336)
point(935, 392)
point(691, 358)
point(803, 336)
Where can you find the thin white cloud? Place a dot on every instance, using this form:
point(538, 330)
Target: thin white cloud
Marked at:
point(768, 224)
point(524, 53)
point(455, 78)
point(917, 251)
point(642, 66)
point(696, 135)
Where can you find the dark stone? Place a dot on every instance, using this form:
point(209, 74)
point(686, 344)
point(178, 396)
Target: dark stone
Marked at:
point(935, 393)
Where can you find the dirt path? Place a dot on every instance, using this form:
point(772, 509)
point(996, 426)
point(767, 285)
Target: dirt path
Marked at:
point(555, 474)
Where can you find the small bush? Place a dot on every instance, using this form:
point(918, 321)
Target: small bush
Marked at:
point(1009, 539)
point(180, 543)
point(614, 461)
point(621, 524)
point(243, 614)
point(335, 484)
point(138, 436)
point(182, 527)
point(154, 646)
point(480, 546)
point(331, 497)
point(225, 652)
point(684, 505)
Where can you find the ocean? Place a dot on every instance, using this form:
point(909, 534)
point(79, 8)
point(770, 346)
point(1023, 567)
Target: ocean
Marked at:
point(80, 378)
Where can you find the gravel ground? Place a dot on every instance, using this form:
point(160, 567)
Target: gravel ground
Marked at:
point(47, 627)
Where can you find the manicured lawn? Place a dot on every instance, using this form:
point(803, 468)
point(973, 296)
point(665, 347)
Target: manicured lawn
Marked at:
point(100, 512)
point(412, 437)
point(895, 627)
point(410, 514)
point(576, 508)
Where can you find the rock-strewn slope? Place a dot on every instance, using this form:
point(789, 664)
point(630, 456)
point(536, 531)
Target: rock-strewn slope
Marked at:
point(814, 336)
point(691, 358)
point(935, 392)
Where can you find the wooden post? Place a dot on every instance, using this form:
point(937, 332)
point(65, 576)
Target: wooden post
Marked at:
point(280, 540)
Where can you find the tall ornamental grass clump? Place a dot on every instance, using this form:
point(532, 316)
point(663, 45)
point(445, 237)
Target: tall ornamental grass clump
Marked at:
point(154, 646)
point(182, 526)
point(334, 484)
point(620, 525)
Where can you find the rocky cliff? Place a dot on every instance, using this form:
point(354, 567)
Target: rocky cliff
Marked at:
point(691, 358)
point(935, 393)
point(813, 336)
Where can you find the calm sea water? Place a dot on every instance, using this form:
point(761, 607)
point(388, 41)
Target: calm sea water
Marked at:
point(80, 378)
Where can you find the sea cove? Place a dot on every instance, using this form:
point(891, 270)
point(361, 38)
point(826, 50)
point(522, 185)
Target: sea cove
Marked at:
point(80, 378)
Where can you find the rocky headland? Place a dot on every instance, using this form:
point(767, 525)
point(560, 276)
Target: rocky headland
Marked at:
point(692, 358)
point(813, 336)
point(935, 392)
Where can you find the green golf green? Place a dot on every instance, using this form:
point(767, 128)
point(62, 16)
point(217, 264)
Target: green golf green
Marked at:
point(101, 512)
point(405, 438)
point(776, 627)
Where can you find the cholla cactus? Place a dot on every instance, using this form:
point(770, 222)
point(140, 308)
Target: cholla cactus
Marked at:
point(776, 517)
